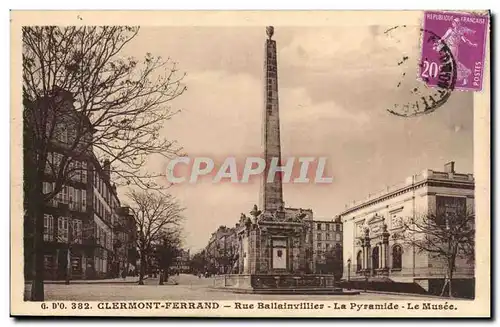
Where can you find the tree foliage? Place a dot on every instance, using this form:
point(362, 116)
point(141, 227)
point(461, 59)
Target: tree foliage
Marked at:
point(198, 262)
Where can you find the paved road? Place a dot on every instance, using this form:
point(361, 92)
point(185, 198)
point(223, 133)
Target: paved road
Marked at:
point(189, 288)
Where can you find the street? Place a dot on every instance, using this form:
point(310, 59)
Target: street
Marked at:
point(189, 288)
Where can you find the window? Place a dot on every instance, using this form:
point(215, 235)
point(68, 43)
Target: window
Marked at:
point(47, 187)
point(64, 194)
point(109, 242)
point(98, 235)
point(71, 197)
point(78, 199)
point(319, 237)
point(77, 231)
point(327, 246)
point(71, 170)
point(83, 172)
point(337, 237)
point(84, 200)
point(397, 257)
point(323, 226)
point(319, 245)
point(327, 236)
point(340, 227)
point(318, 226)
point(327, 226)
point(62, 229)
point(63, 135)
point(49, 163)
point(48, 227)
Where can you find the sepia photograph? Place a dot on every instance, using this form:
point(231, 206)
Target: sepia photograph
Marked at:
point(336, 166)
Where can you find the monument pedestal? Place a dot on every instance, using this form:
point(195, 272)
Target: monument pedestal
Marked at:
point(272, 247)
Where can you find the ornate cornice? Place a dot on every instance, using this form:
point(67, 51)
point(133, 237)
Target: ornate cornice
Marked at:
point(467, 185)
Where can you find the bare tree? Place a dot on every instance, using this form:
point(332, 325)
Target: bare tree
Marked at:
point(442, 235)
point(75, 79)
point(157, 217)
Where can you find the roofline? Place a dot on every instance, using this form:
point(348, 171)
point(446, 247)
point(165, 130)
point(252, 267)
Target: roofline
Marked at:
point(403, 189)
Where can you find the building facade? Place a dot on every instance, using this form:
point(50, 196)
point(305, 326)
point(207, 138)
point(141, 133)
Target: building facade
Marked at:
point(371, 226)
point(221, 250)
point(124, 241)
point(182, 262)
point(326, 245)
point(79, 222)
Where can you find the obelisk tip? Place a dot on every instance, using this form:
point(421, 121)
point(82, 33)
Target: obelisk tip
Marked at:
point(270, 31)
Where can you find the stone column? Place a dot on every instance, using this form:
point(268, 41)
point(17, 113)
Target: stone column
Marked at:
point(363, 261)
point(385, 245)
point(380, 256)
point(368, 265)
point(367, 248)
point(271, 193)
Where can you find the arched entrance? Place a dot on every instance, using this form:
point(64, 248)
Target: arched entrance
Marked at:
point(375, 258)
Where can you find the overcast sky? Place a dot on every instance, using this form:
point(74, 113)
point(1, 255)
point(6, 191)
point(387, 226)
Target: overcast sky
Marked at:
point(335, 85)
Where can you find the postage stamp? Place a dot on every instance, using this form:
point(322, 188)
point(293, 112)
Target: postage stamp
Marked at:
point(465, 36)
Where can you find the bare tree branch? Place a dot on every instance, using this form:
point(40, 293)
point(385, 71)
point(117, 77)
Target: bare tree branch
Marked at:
point(158, 218)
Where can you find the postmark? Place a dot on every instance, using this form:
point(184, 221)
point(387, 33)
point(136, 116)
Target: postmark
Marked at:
point(423, 98)
point(465, 36)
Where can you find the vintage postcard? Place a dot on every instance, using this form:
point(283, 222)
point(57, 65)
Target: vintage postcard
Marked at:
point(250, 164)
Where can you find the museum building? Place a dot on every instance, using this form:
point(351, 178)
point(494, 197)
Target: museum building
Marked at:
point(371, 246)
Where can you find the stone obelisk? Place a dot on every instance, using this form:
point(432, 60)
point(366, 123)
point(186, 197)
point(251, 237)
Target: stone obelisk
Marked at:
point(271, 192)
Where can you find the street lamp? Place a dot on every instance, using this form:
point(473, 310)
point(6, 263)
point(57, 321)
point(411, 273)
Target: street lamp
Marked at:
point(349, 269)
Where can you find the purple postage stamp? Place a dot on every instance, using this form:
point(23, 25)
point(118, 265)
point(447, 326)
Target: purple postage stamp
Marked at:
point(463, 36)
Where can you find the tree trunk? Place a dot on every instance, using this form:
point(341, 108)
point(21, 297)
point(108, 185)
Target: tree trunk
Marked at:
point(142, 270)
point(450, 293)
point(450, 273)
point(161, 277)
point(36, 211)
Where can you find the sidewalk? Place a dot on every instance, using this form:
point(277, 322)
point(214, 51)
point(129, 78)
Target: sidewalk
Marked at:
point(127, 280)
point(413, 295)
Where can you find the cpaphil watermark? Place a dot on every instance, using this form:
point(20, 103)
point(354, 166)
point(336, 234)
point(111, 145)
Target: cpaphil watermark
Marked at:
point(299, 170)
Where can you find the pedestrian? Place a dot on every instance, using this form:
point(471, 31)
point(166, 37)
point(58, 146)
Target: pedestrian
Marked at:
point(124, 274)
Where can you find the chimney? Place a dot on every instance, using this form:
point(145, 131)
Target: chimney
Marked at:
point(106, 167)
point(450, 167)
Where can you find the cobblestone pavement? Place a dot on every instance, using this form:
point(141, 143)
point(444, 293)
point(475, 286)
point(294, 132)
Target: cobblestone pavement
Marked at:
point(189, 288)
